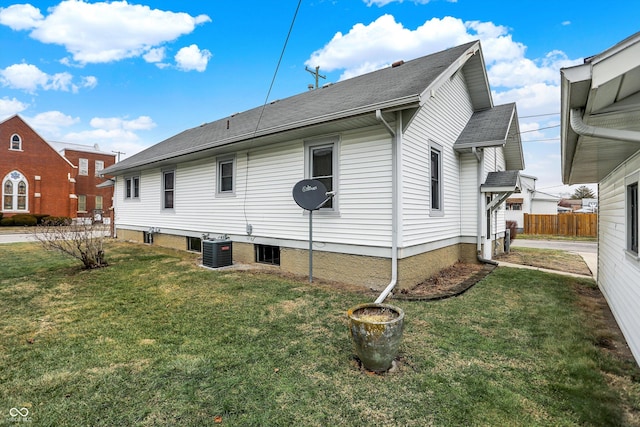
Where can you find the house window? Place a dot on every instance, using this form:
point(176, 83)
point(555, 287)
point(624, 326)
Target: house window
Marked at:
point(99, 167)
point(16, 142)
point(168, 189)
point(268, 254)
point(226, 176)
point(194, 244)
point(514, 206)
point(83, 166)
point(322, 161)
point(99, 202)
point(435, 168)
point(132, 187)
point(632, 218)
point(14, 192)
point(82, 203)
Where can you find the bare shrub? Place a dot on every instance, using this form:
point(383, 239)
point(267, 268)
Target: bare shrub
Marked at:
point(81, 240)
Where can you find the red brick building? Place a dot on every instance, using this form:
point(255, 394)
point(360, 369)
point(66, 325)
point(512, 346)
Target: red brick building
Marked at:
point(57, 179)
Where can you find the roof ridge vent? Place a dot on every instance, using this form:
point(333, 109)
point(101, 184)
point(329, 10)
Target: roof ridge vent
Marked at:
point(397, 64)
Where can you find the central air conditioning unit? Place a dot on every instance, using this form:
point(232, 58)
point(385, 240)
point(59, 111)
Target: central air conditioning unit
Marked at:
point(217, 253)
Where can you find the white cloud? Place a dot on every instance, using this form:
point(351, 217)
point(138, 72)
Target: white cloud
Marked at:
point(102, 32)
point(154, 55)
point(9, 107)
point(192, 58)
point(533, 83)
point(20, 17)
point(381, 3)
point(49, 124)
point(383, 41)
point(30, 78)
point(114, 134)
point(119, 124)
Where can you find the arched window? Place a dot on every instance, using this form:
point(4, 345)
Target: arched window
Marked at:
point(15, 191)
point(16, 142)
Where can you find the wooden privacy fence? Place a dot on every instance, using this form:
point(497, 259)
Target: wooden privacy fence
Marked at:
point(566, 224)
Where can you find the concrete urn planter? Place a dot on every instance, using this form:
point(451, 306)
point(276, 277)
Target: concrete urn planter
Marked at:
point(376, 330)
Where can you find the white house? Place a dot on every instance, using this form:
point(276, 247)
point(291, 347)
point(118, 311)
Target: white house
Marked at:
point(601, 143)
point(530, 201)
point(418, 156)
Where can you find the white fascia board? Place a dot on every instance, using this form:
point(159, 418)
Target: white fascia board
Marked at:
point(449, 72)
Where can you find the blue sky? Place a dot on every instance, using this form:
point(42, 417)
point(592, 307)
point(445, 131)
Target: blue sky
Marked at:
point(126, 75)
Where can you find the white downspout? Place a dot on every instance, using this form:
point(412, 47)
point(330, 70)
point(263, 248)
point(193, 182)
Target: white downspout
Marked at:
point(396, 144)
point(581, 128)
point(481, 210)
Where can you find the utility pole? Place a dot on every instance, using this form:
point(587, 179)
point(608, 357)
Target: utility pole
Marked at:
point(118, 153)
point(316, 74)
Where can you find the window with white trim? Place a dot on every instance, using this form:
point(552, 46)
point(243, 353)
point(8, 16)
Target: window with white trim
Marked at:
point(83, 166)
point(321, 159)
point(435, 180)
point(226, 177)
point(82, 203)
point(132, 187)
point(99, 166)
point(14, 192)
point(168, 188)
point(98, 202)
point(632, 215)
point(16, 142)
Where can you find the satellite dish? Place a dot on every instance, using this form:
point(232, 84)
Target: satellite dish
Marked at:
point(310, 194)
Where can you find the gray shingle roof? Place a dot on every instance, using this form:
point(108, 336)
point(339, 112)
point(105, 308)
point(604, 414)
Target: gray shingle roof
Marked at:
point(487, 127)
point(388, 87)
point(501, 181)
point(494, 127)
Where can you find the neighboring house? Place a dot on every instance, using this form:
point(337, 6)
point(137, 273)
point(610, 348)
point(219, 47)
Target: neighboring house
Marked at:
point(601, 143)
point(418, 156)
point(569, 205)
point(38, 179)
point(529, 201)
point(94, 201)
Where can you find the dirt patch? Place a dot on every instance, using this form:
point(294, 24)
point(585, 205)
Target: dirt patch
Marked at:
point(547, 258)
point(448, 282)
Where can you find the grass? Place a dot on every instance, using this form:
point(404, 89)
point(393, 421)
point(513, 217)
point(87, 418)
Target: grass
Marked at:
point(155, 340)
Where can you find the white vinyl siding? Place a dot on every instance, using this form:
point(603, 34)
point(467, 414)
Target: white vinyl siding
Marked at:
point(618, 269)
point(263, 198)
point(441, 120)
point(469, 188)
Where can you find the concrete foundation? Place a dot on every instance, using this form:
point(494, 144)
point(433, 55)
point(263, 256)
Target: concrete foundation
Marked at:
point(367, 271)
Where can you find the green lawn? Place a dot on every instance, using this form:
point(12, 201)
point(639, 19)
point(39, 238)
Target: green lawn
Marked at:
point(153, 339)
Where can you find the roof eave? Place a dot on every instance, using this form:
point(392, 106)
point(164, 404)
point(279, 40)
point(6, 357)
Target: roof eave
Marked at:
point(390, 105)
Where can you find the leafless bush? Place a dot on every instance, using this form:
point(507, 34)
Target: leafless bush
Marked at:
point(83, 241)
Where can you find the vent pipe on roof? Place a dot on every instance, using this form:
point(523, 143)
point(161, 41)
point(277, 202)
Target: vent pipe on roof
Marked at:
point(581, 128)
point(397, 64)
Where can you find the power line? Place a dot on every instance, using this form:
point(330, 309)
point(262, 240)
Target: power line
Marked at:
point(536, 130)
point(539, 115)
point(542, 140)
point(266, 99)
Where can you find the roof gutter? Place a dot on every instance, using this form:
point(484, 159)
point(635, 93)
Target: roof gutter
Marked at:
point(398, 103)
point(396, 146)
point(583, 129)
